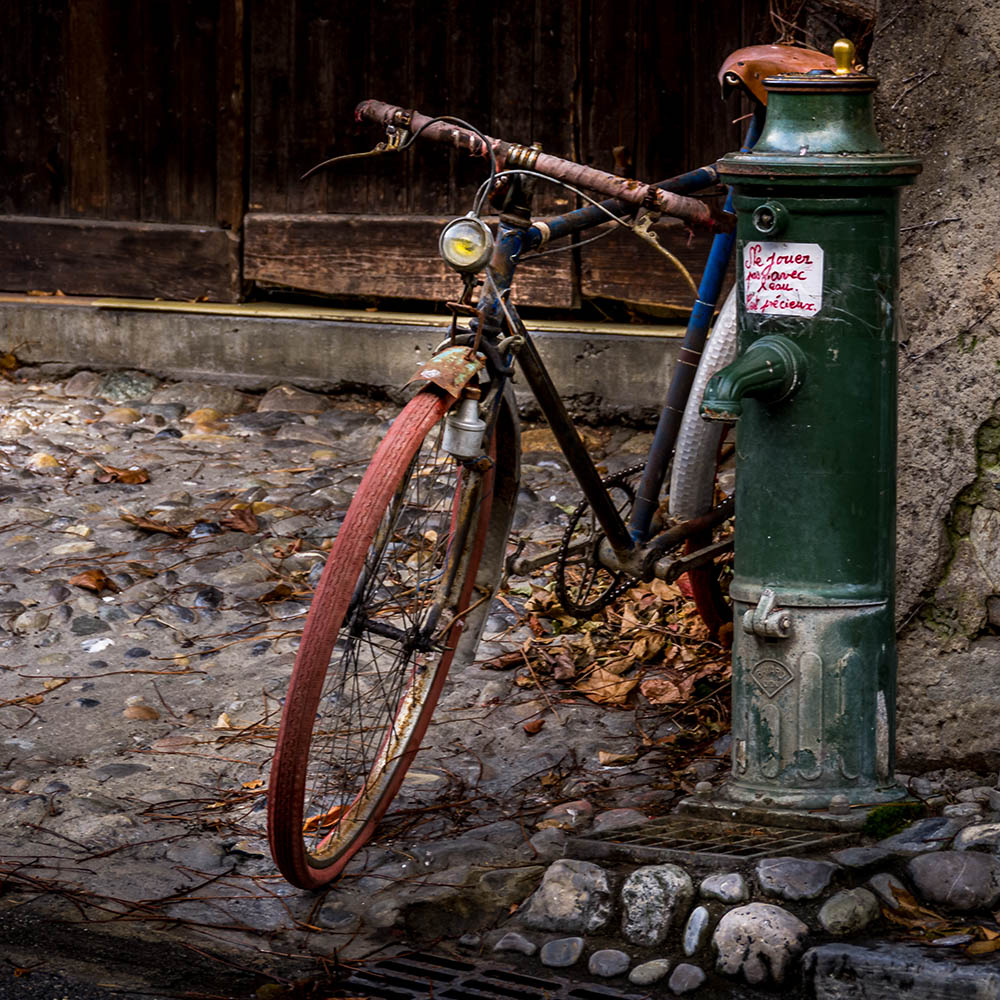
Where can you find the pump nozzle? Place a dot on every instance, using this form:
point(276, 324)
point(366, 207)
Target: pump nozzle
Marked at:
point(770, 369)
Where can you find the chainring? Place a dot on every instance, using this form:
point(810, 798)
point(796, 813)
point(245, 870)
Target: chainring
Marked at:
point(583, 585)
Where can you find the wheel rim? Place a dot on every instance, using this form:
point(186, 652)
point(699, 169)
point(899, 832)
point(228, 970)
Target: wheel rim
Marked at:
point(386, 658)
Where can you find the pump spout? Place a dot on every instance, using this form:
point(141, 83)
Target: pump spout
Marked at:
point(770, 369)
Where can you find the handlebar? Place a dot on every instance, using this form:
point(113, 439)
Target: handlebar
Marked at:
point(513, 156)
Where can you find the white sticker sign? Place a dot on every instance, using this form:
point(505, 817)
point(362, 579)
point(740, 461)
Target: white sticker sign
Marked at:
point(783, 279)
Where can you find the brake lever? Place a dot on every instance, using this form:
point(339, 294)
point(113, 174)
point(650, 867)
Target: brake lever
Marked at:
point(396, 140)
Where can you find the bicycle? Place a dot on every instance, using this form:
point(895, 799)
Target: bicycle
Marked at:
point(419, 555)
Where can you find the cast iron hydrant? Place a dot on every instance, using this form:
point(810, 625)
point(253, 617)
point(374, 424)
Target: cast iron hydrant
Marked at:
point(814, 393)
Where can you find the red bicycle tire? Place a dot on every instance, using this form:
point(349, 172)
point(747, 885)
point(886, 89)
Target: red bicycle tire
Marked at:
point(387, 474)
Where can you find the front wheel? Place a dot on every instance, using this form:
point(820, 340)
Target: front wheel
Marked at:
point(376, 647)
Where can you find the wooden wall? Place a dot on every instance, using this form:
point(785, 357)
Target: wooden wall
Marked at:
point(156, 148)
point(116, 115)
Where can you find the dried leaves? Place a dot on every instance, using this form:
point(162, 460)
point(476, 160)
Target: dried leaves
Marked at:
point(149, 524)
point(94, 579)
point(322, 820)
point(111, 474)
point(655, 643)
point(241, 519)
point(929, 926)
point(605, 687)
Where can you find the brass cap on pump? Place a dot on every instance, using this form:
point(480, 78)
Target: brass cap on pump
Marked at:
point(843, 56)
point(820, 123)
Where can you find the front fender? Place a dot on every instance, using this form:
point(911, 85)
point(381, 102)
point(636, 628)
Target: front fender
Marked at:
point(451, 369)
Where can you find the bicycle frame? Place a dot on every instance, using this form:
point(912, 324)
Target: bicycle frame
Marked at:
point(517, 236)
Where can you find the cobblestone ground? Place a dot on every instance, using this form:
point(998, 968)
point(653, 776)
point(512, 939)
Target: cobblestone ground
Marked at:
point(159, 543)
point(141, 671)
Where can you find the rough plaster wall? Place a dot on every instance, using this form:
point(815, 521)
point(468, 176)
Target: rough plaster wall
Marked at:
point(938, 62)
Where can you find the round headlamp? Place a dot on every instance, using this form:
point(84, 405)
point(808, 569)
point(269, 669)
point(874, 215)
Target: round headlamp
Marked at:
point(466, 244)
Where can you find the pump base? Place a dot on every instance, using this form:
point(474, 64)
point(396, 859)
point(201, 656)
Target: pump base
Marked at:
point(719, 807)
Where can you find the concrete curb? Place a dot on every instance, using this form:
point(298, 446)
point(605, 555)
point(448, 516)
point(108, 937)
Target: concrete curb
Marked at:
point(603, 372)
point(888, 971)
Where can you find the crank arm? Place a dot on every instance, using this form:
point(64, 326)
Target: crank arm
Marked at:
point(670, 568)
point(526, 566)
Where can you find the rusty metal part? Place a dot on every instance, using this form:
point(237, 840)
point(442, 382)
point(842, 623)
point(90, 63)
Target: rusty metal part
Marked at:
point(522, 157)
point(646, 561)
point(749, 67)
point(462, 309)
point(634, 192)
point(451, 369)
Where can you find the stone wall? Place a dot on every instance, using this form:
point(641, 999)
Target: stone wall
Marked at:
point(939, 66)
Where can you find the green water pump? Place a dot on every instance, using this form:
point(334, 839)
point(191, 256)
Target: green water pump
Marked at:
point(813, 394)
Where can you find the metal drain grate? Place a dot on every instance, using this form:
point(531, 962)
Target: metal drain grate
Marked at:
point(683, 838)
point(407, 977)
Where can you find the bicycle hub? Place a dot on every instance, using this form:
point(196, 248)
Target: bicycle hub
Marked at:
point(814, 392)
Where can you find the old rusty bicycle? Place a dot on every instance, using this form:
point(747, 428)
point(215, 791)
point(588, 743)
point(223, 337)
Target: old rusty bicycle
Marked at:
point(417, 560)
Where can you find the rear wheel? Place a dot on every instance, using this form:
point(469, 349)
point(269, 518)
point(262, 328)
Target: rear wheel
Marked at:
point(702, 474)
point(377, 644)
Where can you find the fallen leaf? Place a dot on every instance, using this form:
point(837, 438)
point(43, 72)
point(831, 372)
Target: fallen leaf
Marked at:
point(110, 474)
point(648, 646)
point(565, 668)
point(313, 823)
point(280, 593)
point(148, 524)
point(141, 713)
point(619, 665)
point(536, 627)
point(284, 551)
point(983, 947)
point(94, 579)
point(55, 682)
point(241, 520)
point(256, 783)
point(910, 914)
point(223, 722)
point(533, 726)
point(174, 741)
point(668, 591)
point(662, 691)
point(34, 699)
point(609, 759)
point(606, 688)
point(505, 661)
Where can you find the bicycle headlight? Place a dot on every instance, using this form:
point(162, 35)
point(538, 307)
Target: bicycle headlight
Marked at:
point(466, 244)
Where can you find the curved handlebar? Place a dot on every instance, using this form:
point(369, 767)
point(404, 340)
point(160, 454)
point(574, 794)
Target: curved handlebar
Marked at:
point(512, 156)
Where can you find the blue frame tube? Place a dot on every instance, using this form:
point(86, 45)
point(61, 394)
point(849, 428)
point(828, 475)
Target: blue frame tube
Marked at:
point(648, 495)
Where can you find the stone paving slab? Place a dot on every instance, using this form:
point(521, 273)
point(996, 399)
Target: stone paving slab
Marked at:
point(852, 972)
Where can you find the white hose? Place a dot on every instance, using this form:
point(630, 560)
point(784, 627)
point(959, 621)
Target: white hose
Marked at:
point(692, 483)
